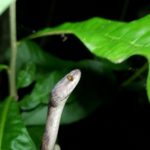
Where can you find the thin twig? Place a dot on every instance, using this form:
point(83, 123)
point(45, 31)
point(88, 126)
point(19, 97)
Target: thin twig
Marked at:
point(124, 10)
point(135, 75)
point(13, 42)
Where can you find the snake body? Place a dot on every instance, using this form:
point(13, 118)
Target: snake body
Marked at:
point(59, 96)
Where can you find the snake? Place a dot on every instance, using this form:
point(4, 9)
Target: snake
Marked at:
point(59, 95)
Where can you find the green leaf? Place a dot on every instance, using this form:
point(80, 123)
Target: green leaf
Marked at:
point(45, 80)
point(29, 51)
point(36, 136)
point(37, 116)
point(13, 134)
point(26, 76)
point(4, 4)
point(82, 102)
point(72, 113)
point(112, 40)
point(41, 91)
point(3, 67)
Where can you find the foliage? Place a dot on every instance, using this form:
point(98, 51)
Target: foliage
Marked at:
point(4, 4)
point(13, 134)
point(111, 42)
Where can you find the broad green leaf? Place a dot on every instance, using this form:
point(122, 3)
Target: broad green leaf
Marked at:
point(112, 40)
point(36, 136)
point(37, 116)
point(3, 67)
point(4, 4)
point(26, 76)
point(82, 102)
point(13, 134)
point(29, 51)
point(45, 82)
point(72, 112)
point(41, 91)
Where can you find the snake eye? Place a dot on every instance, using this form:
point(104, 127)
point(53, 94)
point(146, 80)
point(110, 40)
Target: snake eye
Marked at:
point(70, 77)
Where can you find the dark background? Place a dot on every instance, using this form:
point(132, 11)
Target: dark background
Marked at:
point(124, 123)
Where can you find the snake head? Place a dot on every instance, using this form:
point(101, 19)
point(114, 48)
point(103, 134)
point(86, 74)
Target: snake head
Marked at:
point(64, 87)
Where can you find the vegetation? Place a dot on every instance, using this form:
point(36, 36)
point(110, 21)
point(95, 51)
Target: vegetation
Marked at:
point(33, 72)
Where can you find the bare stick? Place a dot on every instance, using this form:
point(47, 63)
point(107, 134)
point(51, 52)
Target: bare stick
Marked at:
point(13, 41)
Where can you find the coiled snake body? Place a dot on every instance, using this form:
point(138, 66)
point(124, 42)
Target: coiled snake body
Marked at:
point(60, 94)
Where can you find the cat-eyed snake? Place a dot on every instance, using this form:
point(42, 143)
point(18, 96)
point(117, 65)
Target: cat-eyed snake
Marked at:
point(59, 96)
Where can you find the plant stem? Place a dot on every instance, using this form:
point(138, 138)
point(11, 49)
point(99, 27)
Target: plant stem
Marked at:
point(135, 75)
point(13, 43)
point(124, 10)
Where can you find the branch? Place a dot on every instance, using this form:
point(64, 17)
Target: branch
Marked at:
point(13, 42)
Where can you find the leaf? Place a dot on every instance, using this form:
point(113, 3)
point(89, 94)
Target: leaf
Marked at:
point(29, 51)
point(13, 134)
point(36, 136)
point(37, 116)
point(113, 40)
point(4, 4)
point(3, 67)
point(82, 102)
point(26, 76)
point(41, 92)
point(34, 113)
point(72, 112)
